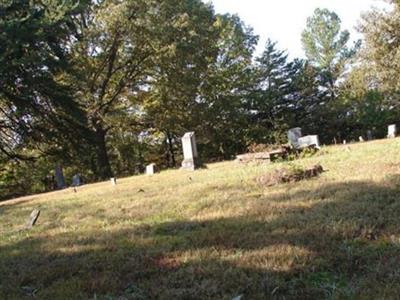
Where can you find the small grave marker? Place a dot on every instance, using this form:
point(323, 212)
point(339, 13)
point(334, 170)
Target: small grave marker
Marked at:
point(150, 169)
point(114, 181)
point(76, 180)
point(370, 136)
point(32, 219)
point(392, 131)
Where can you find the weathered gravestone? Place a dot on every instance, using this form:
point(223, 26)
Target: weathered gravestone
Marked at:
point(191, 158)
point(361, 139)
point(113, 181)
point(59, 176)
point(293, 136)
point(151, 169)
point(76, 180)
point(370, 136)
point(309, 141)
point(392, 131)
point(32, 219)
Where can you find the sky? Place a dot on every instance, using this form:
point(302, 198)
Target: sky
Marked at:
point(284, 20)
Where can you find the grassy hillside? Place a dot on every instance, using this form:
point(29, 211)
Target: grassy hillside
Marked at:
point(214, 234)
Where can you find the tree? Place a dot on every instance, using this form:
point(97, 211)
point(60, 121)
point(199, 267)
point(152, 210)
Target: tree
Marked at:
point(380, 54)
point(268, 101)
point(110, 63)
point(325, 45)
point(187, 42)
point(35, 109)
point(226, 90)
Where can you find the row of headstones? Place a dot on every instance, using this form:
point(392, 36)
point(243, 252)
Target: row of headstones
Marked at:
point(299, 142)
point(191, 157)
point(392, 133)
point(190, 162)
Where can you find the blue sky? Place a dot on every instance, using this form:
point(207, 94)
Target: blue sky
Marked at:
point(284, 20)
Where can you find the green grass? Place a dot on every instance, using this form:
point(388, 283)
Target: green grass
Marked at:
point(214, 234)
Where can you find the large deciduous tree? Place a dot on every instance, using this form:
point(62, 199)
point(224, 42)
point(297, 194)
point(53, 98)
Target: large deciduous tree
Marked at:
point(380, 54)
point(111, 61)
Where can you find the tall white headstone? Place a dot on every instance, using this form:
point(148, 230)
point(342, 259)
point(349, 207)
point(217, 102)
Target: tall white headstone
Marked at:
point(113, 181)
point(190, 161)
point(392, 131)
point(293, 136)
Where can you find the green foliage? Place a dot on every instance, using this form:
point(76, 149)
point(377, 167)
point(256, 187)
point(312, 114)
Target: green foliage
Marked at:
point(325, 45)
point(35, 108)
point(380, 53)
point(323, 41)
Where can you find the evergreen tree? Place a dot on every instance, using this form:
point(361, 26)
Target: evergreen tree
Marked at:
point(325, 46)
point(36, 110)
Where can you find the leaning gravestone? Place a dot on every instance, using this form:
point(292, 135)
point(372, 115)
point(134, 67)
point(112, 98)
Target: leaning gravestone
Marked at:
point(32, 219)
point(309, 141)
point(59, 176)
point(191, 158)
point(293, 136)
point(150, 169)
point(392, 131)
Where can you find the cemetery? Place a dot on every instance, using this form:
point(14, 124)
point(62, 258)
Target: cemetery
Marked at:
point(173, 149)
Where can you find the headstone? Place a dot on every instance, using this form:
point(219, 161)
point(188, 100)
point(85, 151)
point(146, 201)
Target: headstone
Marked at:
point(370, 136)
point(114, 181)
point(59, 176)
point(191, 159)
point(150, 169)
point(361, 139)
point(308, 141)
point(293, 136)
point(32, 218)
point(392, 131)
point(344, 142)
point(76, 180)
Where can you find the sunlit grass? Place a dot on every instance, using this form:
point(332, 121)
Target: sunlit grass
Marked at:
point(214, 234)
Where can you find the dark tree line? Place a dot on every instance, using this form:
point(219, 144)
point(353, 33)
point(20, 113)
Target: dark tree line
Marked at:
point(104, 87)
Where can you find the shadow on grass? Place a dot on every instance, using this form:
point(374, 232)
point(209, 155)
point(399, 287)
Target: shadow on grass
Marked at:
point(346, 244)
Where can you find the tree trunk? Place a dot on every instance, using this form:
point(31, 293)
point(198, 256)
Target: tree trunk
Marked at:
point(104, 171)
